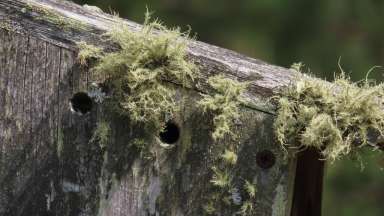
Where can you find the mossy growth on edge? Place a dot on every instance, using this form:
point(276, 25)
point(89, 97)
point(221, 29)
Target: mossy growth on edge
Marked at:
point(45, 13)
point(135, 76)
point(225, 104)
point(334, 118)
point(136, 71)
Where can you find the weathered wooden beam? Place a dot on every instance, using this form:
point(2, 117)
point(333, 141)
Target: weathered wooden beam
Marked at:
point(83, 24)
point(48, 166)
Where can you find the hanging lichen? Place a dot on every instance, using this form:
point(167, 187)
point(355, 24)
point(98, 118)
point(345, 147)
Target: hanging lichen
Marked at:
point(135, 75)
point(101, 134)
point(334, 118)
point(224, 104)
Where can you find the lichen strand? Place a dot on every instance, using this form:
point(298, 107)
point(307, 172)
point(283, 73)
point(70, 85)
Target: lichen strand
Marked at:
point(332, 117)
point(136, 72)
point(101, 134)
point(6, 25)
point(224, 104)
point(225, 107)
point(227, 193)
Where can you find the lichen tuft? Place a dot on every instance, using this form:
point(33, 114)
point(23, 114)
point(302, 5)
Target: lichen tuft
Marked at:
point(334, 118)
point(101, 134)
point(224, 104)
point(87, 51)
point(136, 72)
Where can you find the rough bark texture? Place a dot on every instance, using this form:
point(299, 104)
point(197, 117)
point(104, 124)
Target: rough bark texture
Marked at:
point(48, 166)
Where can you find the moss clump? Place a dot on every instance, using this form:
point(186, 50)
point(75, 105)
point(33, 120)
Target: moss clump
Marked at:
point(224, 104)
point(332, 117)
point(136, 72)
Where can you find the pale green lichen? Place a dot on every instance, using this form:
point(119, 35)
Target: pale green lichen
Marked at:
point(60, 143)
point(136, 72)
point(87, 51)
point(229, 156)
point(331, 117)
point(250, 188)
point(246, 208)
point(224, 104)
point(6, 25)
point(101, 134)
point(225, 107)
point(220, 178)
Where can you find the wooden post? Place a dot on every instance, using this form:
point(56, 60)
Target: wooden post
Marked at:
point(48, 166)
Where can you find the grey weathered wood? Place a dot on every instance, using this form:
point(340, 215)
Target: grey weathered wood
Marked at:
point(264, 78)
point(49, 167)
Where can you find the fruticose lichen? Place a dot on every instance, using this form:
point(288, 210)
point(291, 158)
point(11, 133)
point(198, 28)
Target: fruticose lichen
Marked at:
point(6, 25)
point(101, 134)
point(87, 51)
point(136, 72)
point(334, 118)
point(224, 104)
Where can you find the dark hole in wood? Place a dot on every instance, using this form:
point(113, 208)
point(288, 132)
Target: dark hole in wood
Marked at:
point(170, 134)
point(81, 103)
point(265, 159)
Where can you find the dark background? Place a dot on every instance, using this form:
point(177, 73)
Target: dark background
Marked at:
point(282, 32)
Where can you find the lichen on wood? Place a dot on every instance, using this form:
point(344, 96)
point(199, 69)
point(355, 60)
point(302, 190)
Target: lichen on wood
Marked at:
point(136, 75)
point(135, 72)
point(45, 13)
point(334, 118)
point(225, 104)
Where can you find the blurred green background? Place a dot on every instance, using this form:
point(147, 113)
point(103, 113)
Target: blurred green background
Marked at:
point(282, 32)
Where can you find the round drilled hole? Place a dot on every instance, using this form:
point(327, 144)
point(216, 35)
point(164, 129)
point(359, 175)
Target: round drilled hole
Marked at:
point(170, 134)
point(265, 159)
point(81, 103)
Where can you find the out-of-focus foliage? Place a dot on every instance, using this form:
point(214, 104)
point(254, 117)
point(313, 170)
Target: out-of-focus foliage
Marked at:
point(281, 32)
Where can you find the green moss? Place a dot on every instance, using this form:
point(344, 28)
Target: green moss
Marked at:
point(334, 118)
point(224, 104)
